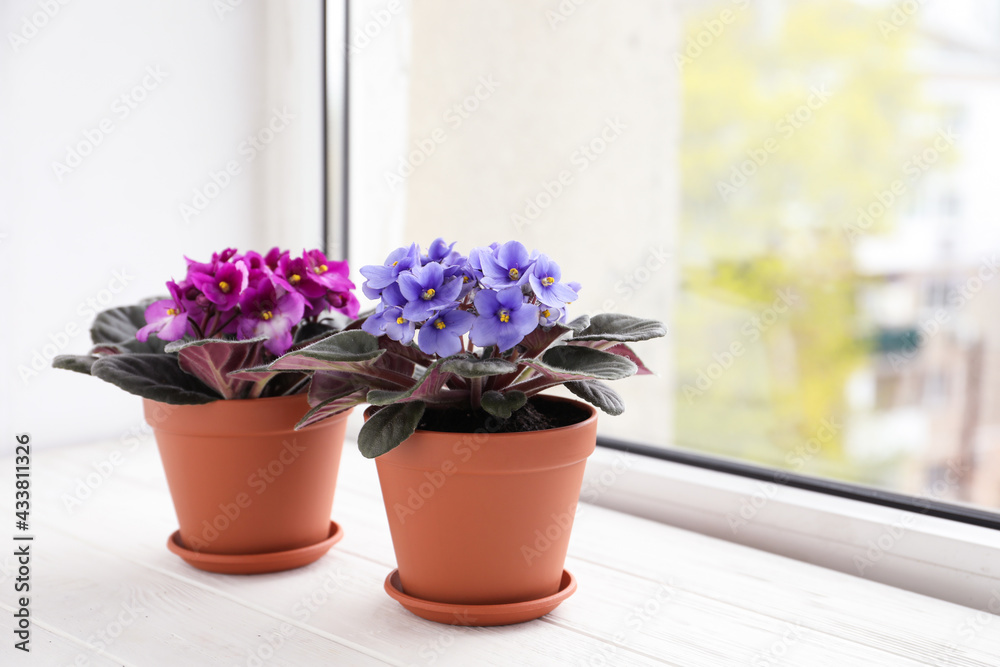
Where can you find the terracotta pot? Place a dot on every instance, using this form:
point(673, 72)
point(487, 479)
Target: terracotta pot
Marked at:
point(243, 481)
point(485, 519)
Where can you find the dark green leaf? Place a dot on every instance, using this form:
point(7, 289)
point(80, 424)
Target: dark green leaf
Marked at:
point(428, 387)
point(580, 323)
point(474, 367)
point(155, 376)
point(213, 360)
point(119, 325)
point(617, 327)
point(73, 362)
point(586, 361)
point(332, 406)
point(542, 338)
point(503, 406)
point(389, 427)
point(598, 394)
point(346, 346)
point(312, 332)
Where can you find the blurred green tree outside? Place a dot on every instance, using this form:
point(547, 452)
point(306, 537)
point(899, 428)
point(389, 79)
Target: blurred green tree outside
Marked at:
point(795, 115)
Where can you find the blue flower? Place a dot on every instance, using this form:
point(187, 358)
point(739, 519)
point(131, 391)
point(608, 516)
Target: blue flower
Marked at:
point(427, 291)
point(544, 279)
point(443, 334)
point(380, 277)
point(549, 315)
point(504, 318)
point(439, 251)
point(510, 266)
point(391, 323)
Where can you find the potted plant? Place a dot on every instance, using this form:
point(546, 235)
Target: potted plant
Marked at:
point(480, 470)
point(251, 493)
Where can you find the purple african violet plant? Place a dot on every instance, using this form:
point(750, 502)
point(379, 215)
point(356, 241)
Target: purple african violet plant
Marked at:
point(232, 313)
point(483, 332)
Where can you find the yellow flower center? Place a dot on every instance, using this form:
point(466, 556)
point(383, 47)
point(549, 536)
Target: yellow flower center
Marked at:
point(400, 320)
point(548, 280)
point(173, 311)
point(294, 279)
point(266, 315)
point(428, 294)
point(224, 286)
point(505, 315)
point(465, 279)
point(546, 313)
point(322, 268)
point(395, 263)
point(439, 325)
point(514, 274)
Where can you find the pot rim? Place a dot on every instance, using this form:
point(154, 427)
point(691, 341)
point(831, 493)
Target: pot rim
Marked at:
point(258, 416)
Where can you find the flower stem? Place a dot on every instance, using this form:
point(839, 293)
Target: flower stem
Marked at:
point(197, 329)
point(298, 385)
point(476, 395)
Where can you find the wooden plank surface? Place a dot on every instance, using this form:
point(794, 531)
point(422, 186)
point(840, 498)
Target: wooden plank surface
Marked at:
point(649, 594)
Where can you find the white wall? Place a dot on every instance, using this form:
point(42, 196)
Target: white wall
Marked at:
point(111, 230)
point(556, 124)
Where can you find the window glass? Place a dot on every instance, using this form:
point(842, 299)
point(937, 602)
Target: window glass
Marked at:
point(802, 190)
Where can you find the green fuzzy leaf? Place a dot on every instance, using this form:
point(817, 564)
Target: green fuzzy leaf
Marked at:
point(312, 332)
point(428, 387)
point(73, 362)
point(346, 346)
point(580, 323)
point(333, 405)
point(389, 427)
point(154, 376)
point(585, 361)
point(213, 360)
point(599, 395)
point(119, 326)
point(474, 367)
point(503, 406)
point(617, 327)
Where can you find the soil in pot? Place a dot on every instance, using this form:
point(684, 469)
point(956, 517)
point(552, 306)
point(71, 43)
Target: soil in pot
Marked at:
point(539, 414)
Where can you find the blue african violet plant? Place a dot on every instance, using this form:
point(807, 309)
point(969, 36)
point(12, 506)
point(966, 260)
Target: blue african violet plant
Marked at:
point(485, 332)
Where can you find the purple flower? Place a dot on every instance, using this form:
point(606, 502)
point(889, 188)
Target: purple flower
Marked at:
point(273, 257)
point(504, 318)
point(544, 279)
point(439, 251)
point(344, 302)
point(211, 266)
point(222, 286)
point(427, 291)
point(391, 323)
point(298, 274)
point(166, 317)
point(443, 334)
point(329, 273)
point(271, 311)
point(253, 260)
point(549, 315)
point(399, 260)
point(509, 267)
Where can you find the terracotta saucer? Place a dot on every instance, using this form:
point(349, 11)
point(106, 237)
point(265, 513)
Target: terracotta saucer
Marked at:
point(255, 563)
point(481, 614)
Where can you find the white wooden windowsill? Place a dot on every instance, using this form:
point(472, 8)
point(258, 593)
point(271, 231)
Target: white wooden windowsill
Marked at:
point(105, 591)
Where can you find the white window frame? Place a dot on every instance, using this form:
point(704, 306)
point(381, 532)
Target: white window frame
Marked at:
point(941, 558)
